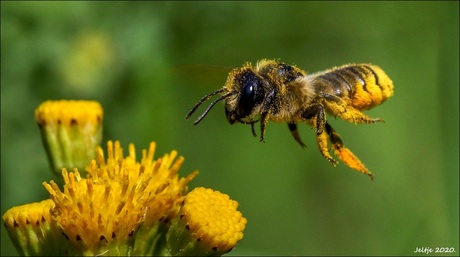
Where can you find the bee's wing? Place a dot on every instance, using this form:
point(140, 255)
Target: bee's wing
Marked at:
point(201, 75)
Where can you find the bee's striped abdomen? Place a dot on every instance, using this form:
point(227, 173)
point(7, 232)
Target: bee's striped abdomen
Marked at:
point(374, 88)
point(364, 85)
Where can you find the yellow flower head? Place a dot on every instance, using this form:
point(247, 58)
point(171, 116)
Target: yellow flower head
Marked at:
point(208, 224)
point(102, 213)
point(32, 229)
point(71, 130)
point(68, 113)
point(121, 205)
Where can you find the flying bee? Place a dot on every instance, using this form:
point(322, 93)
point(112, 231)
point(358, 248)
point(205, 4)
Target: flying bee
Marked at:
point(272, 90)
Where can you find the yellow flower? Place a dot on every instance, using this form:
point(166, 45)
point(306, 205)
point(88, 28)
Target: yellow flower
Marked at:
point(71, 130)
point(103, 213)
point(121, 206)
point(32, 229)
point(208, 224)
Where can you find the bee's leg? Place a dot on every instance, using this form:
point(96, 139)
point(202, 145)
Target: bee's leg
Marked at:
point(322, 140)
point(266, 106)
point(263, 122)
point(344, 153)
point(253, 130)
point(341, 108)
point(295, 133)
point(315, 116)
point(251, 122)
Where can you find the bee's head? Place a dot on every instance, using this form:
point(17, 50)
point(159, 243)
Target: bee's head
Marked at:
point(247, 94)
point(243, 94)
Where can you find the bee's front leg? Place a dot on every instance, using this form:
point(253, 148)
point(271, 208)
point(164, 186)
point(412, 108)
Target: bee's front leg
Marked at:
point(251, 122)
point(267, 105)
point(253, 130)
point(263, 122)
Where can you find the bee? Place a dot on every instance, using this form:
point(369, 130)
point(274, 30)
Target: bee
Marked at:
point(272, 90)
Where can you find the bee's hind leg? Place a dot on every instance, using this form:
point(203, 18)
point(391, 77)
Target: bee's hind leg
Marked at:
point(341, 108)
point(295, 133)
point(315, 116)
point(344, 153)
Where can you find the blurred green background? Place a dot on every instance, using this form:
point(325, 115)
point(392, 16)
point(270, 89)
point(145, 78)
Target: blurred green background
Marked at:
point(148, 63)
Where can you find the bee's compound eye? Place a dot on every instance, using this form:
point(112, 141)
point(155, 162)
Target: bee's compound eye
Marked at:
point(247, 100)
point(247, 94)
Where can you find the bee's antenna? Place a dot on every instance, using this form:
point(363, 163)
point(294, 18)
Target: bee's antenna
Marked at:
point(206, 97)
point(210, 107)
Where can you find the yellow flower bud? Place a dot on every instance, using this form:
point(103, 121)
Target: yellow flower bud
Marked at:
point(71, 130)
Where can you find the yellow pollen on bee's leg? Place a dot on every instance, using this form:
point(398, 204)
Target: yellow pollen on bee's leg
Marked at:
point(322, 140)
point(352, 161)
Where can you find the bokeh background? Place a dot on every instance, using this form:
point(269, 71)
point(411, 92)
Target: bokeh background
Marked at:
point(148, 63)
